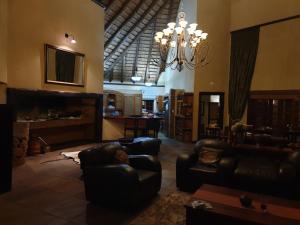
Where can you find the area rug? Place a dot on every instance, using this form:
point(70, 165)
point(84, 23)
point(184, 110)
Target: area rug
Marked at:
point(167, 210)
point(72, 155)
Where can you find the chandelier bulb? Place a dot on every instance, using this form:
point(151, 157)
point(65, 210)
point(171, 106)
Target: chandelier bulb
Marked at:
point(198, 33)
point(178, 30)
point(193, 26)
point(171, 25)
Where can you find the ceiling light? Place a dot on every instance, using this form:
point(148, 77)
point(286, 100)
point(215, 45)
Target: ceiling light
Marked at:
point(136, 78)
point(148, 84)
point(70, 38)
point(186, 46)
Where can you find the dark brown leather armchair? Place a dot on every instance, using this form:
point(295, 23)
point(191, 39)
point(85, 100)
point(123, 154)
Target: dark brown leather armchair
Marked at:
point(123, 186)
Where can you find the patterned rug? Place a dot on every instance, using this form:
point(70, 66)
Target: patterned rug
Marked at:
point(168, 210)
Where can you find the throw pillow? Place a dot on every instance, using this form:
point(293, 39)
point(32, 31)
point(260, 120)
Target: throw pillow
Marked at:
point(209, 156)
point(121, 157)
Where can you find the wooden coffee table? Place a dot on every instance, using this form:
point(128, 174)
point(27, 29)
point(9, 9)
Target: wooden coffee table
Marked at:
point(227, 209)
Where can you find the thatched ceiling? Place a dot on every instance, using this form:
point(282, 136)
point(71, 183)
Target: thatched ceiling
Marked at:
point(130, 26)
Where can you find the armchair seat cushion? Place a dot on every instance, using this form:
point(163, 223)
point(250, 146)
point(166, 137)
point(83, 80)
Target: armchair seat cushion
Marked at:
point(145, 175)
point(201, 168)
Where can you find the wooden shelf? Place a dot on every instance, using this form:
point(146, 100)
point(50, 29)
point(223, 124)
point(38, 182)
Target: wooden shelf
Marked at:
point(59, 123)
point(184, 117)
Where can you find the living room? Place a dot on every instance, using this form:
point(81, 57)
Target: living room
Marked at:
point(237, 164)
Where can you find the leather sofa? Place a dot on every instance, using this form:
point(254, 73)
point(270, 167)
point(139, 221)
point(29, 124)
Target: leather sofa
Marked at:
point(243, 167)
point(142, 145)
point(124, 186)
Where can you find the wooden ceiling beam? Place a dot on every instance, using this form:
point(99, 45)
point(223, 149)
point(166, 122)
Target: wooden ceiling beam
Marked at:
point(134, 66)
point(113, 35)
point(138, 35)
point(109, 4)
point(122, 69)
point(99, 2)
point(134, 26)
point(116, 15)
point(150, 51)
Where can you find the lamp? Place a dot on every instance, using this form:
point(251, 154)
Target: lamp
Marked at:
point(148, 84)
point(136, 78)
point(181, 45)
point(70, 38)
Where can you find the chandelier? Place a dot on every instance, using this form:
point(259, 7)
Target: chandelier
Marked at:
point(181, 45)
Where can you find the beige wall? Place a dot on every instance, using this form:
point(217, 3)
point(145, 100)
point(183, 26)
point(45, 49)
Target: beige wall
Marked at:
point(33, 23)
point(277, 64)
point(278, 58)
point(214, 18)
point(3, 40)
point(113, 129)
point(246, 13)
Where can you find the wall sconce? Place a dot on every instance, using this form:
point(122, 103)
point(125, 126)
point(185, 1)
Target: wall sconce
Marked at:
point(70, 38)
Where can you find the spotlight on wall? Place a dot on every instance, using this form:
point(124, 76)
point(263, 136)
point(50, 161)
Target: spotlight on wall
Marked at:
point(148, 84)
point(70, 38)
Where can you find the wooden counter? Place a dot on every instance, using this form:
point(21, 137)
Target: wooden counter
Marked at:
point(114, 127)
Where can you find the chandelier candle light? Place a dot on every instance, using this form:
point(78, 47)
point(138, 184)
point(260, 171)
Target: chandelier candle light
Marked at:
point(179, 45)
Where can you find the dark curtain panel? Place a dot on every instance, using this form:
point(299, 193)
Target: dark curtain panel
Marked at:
point(244, 45)
point(65, 65)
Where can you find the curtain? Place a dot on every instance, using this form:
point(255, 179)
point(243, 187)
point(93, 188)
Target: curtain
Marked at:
point(244, 46)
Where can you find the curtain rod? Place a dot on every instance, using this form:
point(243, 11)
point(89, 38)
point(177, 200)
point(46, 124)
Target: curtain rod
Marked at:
point(269, 23)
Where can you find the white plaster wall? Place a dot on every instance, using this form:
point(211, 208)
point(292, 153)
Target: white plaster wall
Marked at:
point(148, 92)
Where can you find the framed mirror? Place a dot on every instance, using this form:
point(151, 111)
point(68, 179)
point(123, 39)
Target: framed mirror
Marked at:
point(64, 66)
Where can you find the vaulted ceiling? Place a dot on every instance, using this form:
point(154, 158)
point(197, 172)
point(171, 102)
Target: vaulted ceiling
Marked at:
point(130, 26)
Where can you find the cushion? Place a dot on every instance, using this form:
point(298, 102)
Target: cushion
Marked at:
point(121, 157)
point(209, 156)
point(255, 169)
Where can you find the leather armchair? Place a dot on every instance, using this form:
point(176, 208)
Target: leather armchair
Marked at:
point(119, 185)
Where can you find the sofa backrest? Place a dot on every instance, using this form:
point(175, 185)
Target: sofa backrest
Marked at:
point(213, 144)
point(100, 155)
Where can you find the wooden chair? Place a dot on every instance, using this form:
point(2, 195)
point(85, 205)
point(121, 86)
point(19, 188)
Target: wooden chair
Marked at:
point(142, 129)
point(153, 125)
point(130, 125)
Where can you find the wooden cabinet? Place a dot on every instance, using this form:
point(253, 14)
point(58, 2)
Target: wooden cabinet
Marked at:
point(184, 117)
point(278, 110)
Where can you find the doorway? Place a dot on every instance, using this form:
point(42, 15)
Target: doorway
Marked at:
point(211, 113)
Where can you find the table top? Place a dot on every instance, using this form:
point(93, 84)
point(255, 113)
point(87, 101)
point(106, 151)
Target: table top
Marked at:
point(133, 117)
point(226, 201)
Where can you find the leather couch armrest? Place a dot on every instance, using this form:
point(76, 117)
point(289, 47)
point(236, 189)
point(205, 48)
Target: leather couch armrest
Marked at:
point(227, 165)
point(294, 159)
point(110, 175)
point(287, 172)
point(186, 160)
point(183, 163)
point(110, 183)
point(146, 162)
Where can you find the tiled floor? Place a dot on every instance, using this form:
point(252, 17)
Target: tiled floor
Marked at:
point(48, 191)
